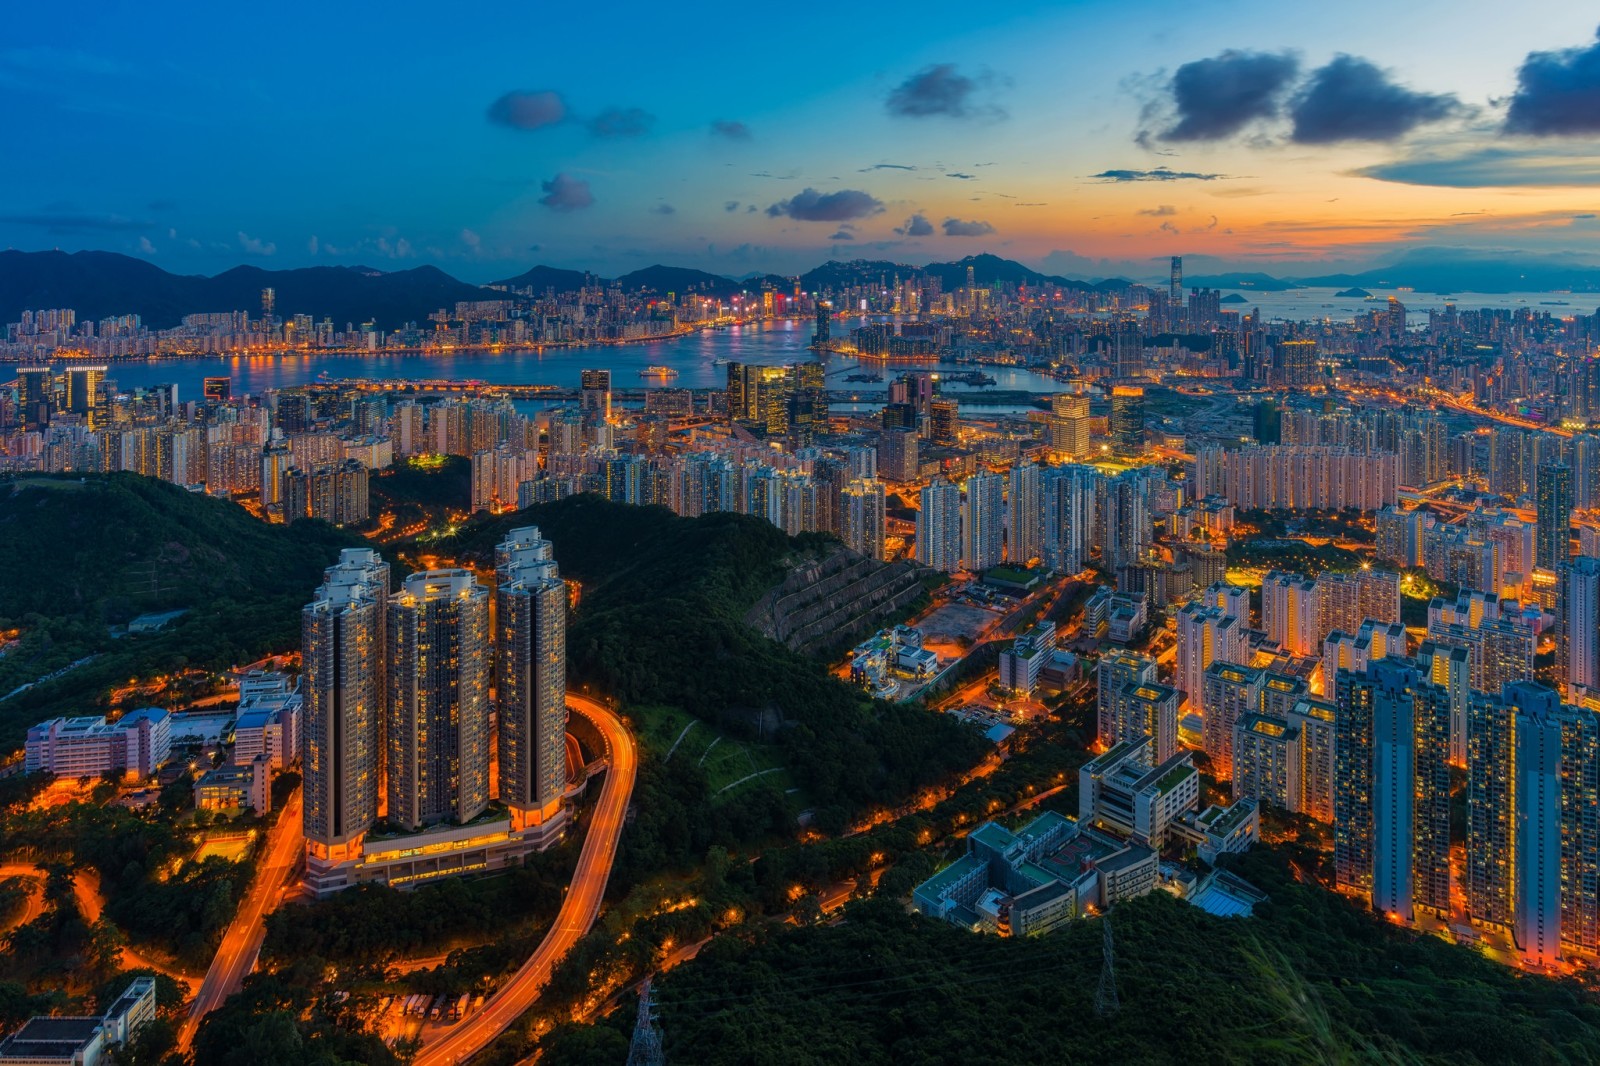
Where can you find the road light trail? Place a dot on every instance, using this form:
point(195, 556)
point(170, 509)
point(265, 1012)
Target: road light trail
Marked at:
point(241, 944)
point(578, 910)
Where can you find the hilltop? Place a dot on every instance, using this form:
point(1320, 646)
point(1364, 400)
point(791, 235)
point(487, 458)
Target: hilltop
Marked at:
point(89, 554)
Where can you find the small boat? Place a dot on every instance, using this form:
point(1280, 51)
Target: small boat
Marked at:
point(658, 372)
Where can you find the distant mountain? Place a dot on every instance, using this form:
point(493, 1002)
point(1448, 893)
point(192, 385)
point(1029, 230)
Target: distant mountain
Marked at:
point(664, 279)
point(836, 275)
point(988, 269)
point(1447, 271)
point(1253, 282)
point(100, 284)
point(540, 278)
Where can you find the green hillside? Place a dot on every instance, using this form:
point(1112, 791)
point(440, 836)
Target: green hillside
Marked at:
point(87, 555)
point(660, 623)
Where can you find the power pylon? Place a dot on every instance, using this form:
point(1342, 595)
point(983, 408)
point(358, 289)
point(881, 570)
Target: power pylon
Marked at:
point(646, 1049)
point(1105, 1000)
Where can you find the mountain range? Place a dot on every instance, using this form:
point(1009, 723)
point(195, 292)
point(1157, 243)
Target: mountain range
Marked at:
point(102, 284)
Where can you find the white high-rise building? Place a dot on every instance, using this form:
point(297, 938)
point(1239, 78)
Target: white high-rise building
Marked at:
point(1289, 612)
point(531, 679)
point(1581, 611)
point(1067, 533)
point(861, 517)
point(1206, 635)
point(939, 526)
point(1024, 514)
point(981, 544)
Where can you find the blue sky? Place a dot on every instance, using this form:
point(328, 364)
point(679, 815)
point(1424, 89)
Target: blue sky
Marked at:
point(201, 136)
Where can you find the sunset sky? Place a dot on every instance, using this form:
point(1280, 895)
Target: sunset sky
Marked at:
point(1084, 138)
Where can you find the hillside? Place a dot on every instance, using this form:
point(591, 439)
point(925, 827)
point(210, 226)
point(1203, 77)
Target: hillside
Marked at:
point(540, 278)
point(98, 284)
point(1310, 979)
point(661, 280)
point(89, 554)
point(660, 622)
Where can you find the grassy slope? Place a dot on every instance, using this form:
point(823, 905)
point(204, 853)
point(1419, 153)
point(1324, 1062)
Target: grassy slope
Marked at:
point(86, 555)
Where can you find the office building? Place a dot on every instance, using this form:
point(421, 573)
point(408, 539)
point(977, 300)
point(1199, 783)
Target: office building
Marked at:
point(1068, 425)
point(531, 677)
point(982, 509)
point(1021, 664)
point(944, 421)
point(438, 661)
point(1392, 790)
point(1127, 420)
point(939, 527)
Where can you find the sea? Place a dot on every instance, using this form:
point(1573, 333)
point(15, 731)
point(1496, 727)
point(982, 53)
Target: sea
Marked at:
point(699, 358)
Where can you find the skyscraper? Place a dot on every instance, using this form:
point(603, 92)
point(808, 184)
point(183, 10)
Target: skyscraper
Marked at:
point(1024, 513)
point(1067, 530)
point(1205, 635)
point(1581, 620)
point(1231, 692)
point(1127, 419)
point(531, 676)
point(939, 527)
point(439, 656)
point(980, 522)
point(1122, 717)
point(1392, 791)
point(343, 648)
point(1175, 286)
point(1069, 425)
point(944, 421)
point(594, 400)
point(1289, 612)
point(861, 518)
point(1554, 502)
point(1127, 530)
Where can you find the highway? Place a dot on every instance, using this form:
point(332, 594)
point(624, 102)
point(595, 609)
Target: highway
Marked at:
point(35, 901)
point(578, 910)
point(241, 944)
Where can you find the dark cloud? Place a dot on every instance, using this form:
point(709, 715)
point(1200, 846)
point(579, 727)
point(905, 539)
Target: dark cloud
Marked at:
point(886, 166)
point(528, 110)
point(67, 221)
point(566, 193)
point(734, 131)
point(1558, 93)
point(1219, 96)
point(1158, 174)
point(731, 205)
point(842, 235)
point(940, 90)
point(664, 209)
point(955, 227)
point(1537, 165)
point(964, 177)
point(621, 122)
point(809, 205)
point(1350, 99)
point(916, 226)
point(1160, 211)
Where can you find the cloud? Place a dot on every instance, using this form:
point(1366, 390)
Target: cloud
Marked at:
point(63, 220)
point(1159, 211)
point(963, 177)
point(146, 247)
point(916, 226)
point(1217, 97)
point(664, 209)
point(256, 246)
point(1350, 99)
point(621, 122)
point(566, 193)
point(471, 239)
point(1158, 174)
point(886, 166)
point(312, 244)
point(528, 110)
point(1168, 227)
point(842, 235)
point(731, 205)
point(734, 131)
point(1558, 93)
point(809, 205)
point(939, 90)
point(1487, 167)
point(955, 227)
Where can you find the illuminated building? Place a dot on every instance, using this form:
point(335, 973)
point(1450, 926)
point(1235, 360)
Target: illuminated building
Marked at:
point(981, 544)
point(1128, 529)
point(34, 396)
point(1289, 612)
point(861, 507)
point(217, 389)
point(1373, 641)
point(1119, 719)
point(1130, 790)
point(1024, 513)
point(1581, 621)
point(1067, 528)
point(275, 461)
point(594, 397)
point(1316, 721)
point(438, 661)
point(1450, 667)
point(343, 652)
point(939, 527)
point(1021, 663)
point(531, 677)
point(1127, 420)
point(1068, 425)
point(1553, 497)
point(1296, 362)
point(1533, 832)
point(1206, 634)
point(1392, 790)
point(1346, 601)
point(1231, 692)
point(83, 392)
point(944, 421)
point(897, 454)
point(1175, 284)
point(136, 745)
point(1266, 761)
point(337, 494)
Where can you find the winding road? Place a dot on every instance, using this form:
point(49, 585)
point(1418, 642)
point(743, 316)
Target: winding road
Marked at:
point(578, 910)
point(241, 944)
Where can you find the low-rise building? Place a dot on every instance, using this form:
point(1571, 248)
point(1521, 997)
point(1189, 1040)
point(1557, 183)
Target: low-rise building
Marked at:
point(81, 1040)
point(236, 786)
point(1123, 792)
point(135, 744)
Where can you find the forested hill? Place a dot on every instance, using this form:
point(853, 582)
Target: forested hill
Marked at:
point(660, 620)
point(87, 554)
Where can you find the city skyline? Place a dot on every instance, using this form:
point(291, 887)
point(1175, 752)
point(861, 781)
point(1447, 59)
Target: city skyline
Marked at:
point(1067, 137)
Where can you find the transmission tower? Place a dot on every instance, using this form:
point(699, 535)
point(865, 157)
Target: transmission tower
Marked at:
point(646, 1050)
point(1105, 1000)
